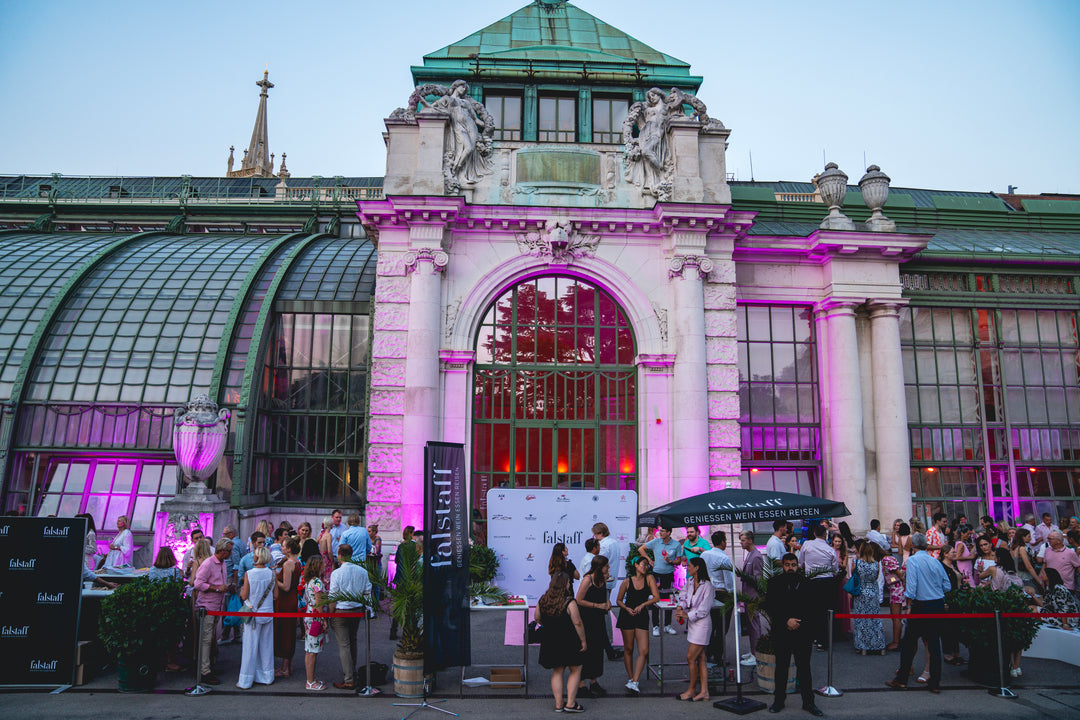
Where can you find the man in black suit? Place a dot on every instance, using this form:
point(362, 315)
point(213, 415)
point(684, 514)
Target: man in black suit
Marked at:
point(789, 604)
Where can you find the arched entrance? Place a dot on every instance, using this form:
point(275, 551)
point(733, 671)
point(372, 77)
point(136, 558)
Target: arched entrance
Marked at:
point(554, 391)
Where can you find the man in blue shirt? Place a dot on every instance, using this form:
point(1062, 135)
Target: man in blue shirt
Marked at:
point(667, 554)
point(356, 536)
point(927, 583)
point(247, 562)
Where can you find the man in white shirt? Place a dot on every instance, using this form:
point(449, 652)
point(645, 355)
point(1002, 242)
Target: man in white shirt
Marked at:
point(1029, 525)
point(818, 558)
point(592, 550)
point(189, 554)
point(720, 568)
point(774, 548)
point(1043, 530)
point(352, 579)
point(876, 537)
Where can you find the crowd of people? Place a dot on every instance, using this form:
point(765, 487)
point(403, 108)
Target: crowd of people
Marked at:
point(825, 567)
point(274, 570)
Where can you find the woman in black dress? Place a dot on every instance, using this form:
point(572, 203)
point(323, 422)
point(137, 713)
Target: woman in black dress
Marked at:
point(563, 645)
point(636, 594)
point(560, 562)
point(594, 606)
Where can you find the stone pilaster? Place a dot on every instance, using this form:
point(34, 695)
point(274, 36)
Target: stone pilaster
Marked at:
point(691, 406)
point(848, 463)
point(890, 412)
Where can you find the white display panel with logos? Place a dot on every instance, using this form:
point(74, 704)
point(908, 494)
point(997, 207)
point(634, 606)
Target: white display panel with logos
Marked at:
point(523, 526)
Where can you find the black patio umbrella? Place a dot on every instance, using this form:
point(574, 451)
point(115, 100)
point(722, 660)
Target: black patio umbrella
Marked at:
point(723, 507)
point(727, 507)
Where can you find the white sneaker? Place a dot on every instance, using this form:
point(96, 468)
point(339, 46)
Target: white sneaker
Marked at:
point(632, 686)
point(749, 662)
point(1013, 672)
point(669, 630)
point(656, 631)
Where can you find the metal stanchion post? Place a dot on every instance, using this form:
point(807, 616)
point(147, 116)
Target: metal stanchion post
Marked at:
point(368, 690)
point(1002, 691)
point(198, 688)
point(829, 690)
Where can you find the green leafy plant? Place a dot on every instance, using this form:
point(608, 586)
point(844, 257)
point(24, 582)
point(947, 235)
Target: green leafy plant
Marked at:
point(483, 564)
point(981, 635)
point(488, 594)
point(143, 619)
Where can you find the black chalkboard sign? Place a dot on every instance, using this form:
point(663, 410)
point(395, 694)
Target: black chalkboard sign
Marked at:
point(40, 593)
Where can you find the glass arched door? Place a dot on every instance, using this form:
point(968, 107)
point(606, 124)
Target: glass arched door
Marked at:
point(554, 391)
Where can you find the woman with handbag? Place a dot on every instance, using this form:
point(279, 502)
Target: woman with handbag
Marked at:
point(314, 628)
point(869, 633)
point(288, 577)
point(258, 593)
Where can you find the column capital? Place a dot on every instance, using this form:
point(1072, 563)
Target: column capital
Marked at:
point(885, 308)
point(836, 306)
point(679, 263)
point(438, 259)
point(456, 360)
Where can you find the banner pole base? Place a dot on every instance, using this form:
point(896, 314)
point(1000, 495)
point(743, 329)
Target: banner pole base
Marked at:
point(197, 690)
point(423, 706)
point(829, 691)
point(1003, 693)
point(369, 692)
point(739, 705)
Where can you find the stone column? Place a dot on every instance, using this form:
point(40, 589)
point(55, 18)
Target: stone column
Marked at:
point(866, 381)
point(848, 466)
point(890, 413)
point(690, 426)
point(422, 405)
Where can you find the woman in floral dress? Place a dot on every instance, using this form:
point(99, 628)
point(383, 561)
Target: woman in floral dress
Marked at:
point(869, 633)
point(314, 592)
point(894, 586)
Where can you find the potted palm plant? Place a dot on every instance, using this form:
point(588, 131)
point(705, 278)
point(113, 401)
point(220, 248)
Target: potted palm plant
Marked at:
point(980, 636)
point(140, 622)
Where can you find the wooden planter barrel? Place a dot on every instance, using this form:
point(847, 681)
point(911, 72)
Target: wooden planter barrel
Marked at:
point(765, 673)
point(408, 677)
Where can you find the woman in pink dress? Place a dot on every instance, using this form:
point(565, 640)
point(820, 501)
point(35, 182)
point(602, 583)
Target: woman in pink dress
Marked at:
point(695, 607)
point(894, 590)
point(965, 554)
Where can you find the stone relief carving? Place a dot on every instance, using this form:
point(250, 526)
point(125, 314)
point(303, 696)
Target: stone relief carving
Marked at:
point(650, 163)
point(472, 130)
point(557, 242)
point(452, 311)
point(438, 259)
point(676, 265)
point(661, 319)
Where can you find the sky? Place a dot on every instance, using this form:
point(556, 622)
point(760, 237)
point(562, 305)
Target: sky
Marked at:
point(953, 95)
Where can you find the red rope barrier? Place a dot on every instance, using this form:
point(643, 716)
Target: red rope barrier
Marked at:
point(943, 616)
point(225, 613)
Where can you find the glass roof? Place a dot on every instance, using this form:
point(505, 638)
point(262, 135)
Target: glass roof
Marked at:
point(334, 270)
point(33, 268)
point(144, 326)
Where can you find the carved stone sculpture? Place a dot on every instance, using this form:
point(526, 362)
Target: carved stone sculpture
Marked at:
point(472, 129)
point(875, 191)
point(833, 186)
point(649, 160)
point(558, 242)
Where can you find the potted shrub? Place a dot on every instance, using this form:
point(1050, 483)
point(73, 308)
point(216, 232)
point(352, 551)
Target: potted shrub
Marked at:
point(483, 564)
point(980, 636)
point(140, 622)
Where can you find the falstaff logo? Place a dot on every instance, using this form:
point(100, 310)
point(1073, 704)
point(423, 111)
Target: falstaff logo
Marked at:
point(50, 598)
point(43, 665)
point(15, 632)
point(4, 530)
point(55, 532)
point(775, 502)
point(17, 564)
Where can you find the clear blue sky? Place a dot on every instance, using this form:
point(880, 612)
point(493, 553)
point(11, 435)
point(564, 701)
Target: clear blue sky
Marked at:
point(960, 94)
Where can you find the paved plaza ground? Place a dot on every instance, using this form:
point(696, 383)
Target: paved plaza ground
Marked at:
point(1047, 689)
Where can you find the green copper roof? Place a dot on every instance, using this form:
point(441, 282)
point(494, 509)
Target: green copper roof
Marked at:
point(547, 31)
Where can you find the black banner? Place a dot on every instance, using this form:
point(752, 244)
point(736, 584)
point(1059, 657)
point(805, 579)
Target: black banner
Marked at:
point(447, 637)
point(40, 594)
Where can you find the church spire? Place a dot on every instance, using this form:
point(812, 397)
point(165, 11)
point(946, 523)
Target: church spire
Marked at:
point(257, 162)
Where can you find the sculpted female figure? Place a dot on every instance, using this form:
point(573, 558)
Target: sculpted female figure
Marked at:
point(470, 143)
point(649, 161)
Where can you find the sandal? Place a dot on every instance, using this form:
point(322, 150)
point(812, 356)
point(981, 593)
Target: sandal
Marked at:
point(281, 673)
point(317, 685)
point(700, 698)
point(892, 646)
point(925, 677)
point(575, 708)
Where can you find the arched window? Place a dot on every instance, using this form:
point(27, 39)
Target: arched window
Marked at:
point(555, 391)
